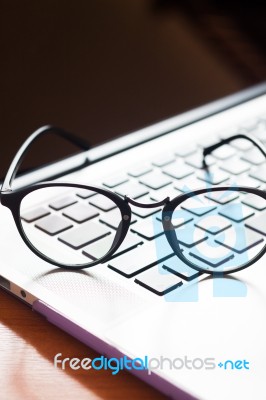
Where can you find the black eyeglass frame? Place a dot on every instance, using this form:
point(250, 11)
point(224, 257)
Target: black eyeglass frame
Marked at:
point(169, 229)
point(169, 208)
point(12, 200)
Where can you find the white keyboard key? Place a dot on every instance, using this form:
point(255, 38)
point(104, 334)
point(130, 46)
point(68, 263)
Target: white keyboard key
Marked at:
point(178, 170)
point(155, 180)
point(258, 223)
point(210, 255)
point(141, 258)
point(167, 191)
point(81, 212)
point(179, 268)
point(257, 202)
point(149, 228)
point(113, 218)
point(103, 203)
point(190, 236)
point(235, 166)
point(213, 224)
point(196, 160)
point(139, 170)
point(85, 193)
point(158, 280)
point(100, 248)
point(115, 180)
point(224, 152)
point(241, 144)
point(62, 203)
point(177, 222)
point(245, 240)
point(35, 214)
point(86, 233)
point(254, 156)
point(133, 190)
point(196, 207)
point(236, 212)
point(53, 224)
point(259, 174)
point(214, 177)
point(184, 151)
point(222, 197)
point(163, 159)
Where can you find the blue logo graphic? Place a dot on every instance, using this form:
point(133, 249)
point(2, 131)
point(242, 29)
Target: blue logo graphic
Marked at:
point(234, 365)
point(207, 239)
point(115, 365)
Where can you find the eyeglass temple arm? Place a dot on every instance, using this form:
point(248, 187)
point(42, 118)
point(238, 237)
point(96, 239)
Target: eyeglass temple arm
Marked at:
point(252, 139)
point(19, 157)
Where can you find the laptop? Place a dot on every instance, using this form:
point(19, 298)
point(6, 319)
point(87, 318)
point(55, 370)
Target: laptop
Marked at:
point(180, 333)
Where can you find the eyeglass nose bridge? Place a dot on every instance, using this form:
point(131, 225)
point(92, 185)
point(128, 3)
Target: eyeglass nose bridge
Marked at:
point(145, 205)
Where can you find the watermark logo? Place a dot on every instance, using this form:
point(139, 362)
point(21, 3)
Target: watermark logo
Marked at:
point(115, 365)
point(207, 238)
point(234, 365)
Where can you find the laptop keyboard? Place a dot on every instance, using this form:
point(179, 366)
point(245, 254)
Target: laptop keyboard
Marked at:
point(86, 221)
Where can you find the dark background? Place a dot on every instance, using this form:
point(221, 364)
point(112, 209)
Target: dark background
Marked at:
point(101, 68)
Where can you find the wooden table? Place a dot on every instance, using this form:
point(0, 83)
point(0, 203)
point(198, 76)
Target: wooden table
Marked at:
point(27, 348)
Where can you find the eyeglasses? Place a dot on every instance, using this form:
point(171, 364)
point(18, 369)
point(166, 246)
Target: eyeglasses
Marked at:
point(216, 229)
